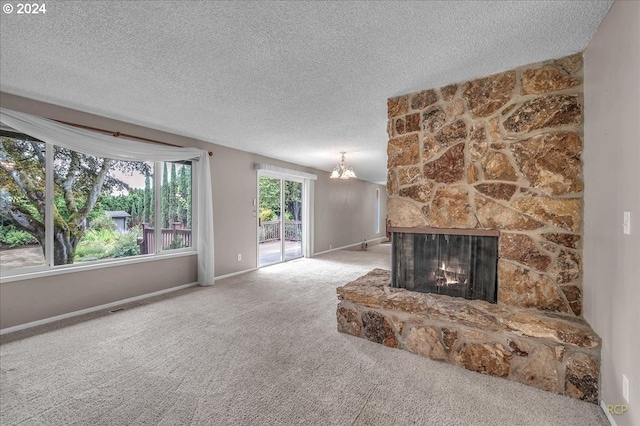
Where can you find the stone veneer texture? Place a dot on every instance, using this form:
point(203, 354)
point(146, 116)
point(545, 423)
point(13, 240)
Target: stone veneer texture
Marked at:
point(555, 352)
point(501, 152)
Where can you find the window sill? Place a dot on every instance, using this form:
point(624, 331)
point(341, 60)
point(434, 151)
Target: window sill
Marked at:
point(70, 269)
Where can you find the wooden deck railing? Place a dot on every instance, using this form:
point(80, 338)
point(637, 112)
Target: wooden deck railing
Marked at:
point(172, 238)
point(270, 231)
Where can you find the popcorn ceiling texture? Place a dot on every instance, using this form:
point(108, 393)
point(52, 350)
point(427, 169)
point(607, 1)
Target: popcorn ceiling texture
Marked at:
point(501, 152)
point(297, 81)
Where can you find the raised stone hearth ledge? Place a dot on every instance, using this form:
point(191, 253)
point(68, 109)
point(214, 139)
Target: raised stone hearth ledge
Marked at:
point(555, 352)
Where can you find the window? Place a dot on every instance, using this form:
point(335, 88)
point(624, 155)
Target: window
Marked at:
point(22, 208)
point(176, 206)
point(377, 210)
point(100, 208)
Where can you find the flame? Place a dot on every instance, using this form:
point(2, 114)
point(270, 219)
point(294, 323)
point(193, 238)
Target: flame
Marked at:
point(450, 275)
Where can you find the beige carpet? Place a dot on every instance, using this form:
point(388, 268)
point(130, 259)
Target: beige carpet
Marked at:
point(257, 349)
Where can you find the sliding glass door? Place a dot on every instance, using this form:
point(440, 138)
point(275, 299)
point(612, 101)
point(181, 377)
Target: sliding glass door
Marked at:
point(292, 201)
point(280, 220)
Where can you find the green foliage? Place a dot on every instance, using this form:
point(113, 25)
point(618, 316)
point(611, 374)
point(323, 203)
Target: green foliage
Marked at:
point(102, 222)
point(147, 210)
point(135, 215)
point(176, 243)
point(103, 244)
point(173, 189)
point(92, 250)
point(97, 242)
point(58, 202)
point(105, 236)
point(184, 196)
point(13, 237)
point(164, 201)
point(176, 195)
point(293, 200)
point(61, 208)
point(269, 190)
point(132, 203)
point(267, 215)
point(22, 192)
point(127, 244)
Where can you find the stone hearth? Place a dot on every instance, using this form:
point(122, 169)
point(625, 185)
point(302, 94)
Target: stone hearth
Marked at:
point(555, 352)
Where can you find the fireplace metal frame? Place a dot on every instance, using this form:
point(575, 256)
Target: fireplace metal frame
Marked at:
point(437, 231)
point(451, 231)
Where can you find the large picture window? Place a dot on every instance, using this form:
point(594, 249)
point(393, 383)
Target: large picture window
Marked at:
point(72, 184)
point(102, 208)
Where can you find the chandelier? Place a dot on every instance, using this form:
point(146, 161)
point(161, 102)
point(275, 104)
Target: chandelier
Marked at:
point(342, 170)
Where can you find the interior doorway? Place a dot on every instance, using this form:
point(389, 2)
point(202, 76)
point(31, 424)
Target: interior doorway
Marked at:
point(280, 219)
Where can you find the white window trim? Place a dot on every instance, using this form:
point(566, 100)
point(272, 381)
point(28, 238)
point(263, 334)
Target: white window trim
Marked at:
point(377, 210)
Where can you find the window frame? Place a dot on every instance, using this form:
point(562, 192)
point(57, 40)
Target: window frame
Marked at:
point(48, 269)
point(377, 211)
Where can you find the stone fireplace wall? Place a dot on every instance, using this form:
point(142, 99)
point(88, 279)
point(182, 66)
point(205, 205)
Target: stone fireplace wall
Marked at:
point(501, 152)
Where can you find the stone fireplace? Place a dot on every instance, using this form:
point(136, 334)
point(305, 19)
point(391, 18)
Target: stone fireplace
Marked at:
point(502, 155)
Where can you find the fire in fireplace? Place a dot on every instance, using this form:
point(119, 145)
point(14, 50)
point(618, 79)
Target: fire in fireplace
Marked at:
point(455, 262)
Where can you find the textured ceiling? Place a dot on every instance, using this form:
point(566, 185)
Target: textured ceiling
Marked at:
point(296, 81)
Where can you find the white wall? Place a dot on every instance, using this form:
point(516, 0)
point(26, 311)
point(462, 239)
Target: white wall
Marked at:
point(612, 185)
point(344, 211)
point(25, 301)
point(344, 214)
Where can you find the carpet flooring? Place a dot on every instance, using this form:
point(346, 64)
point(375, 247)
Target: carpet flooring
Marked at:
point(259, 348)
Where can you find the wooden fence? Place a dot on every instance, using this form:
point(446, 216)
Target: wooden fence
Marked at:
point(172, 238)
point(270, 231)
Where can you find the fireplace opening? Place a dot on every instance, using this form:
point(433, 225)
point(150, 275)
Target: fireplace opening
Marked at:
point(455, 262)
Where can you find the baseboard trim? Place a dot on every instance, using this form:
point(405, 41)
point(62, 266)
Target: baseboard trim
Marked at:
point(336, 249)
point(92, 309)
point(372, 241)
point(233, 274)
point(603, 405)
point(378, 240)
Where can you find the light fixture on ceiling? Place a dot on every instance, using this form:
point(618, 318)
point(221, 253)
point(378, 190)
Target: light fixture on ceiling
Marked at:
point(342, 170)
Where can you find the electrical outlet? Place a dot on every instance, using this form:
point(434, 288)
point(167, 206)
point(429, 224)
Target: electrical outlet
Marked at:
point(239, 257)
point(330, 246)
point(626, 223)
point(625, 388)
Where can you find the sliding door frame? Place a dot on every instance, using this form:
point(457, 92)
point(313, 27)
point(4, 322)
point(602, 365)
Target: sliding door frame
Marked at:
point(307, 210)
